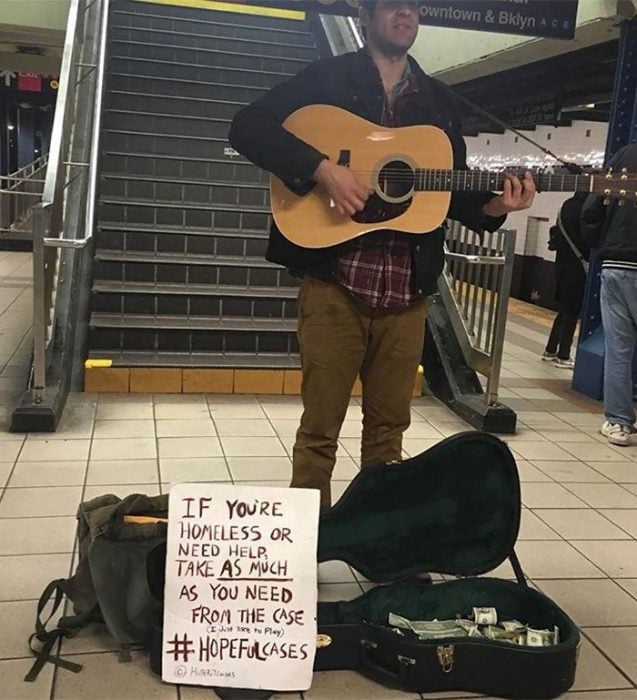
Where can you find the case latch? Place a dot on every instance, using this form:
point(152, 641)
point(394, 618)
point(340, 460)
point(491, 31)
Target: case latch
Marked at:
point(406, 660)
point(445, 657)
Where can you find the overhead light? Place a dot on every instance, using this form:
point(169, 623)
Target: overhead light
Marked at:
point(590, 106)
point(10, 127)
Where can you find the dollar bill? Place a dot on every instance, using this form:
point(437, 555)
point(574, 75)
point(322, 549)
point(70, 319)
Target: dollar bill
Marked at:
point(483, 625)
point(485, 616)
point(512, 625)
point(539, 638)
point(428, 629)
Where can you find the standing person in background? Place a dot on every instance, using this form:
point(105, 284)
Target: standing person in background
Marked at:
point(571, 266)
point(612, 230)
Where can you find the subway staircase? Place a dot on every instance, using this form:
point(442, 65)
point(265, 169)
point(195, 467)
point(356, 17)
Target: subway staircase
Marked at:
point(180, 278)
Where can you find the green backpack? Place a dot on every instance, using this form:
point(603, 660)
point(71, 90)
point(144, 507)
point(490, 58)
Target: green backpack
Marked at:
point(110, 584)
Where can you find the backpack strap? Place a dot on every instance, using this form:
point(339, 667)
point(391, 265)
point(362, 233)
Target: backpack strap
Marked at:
point(55, 591)
point(573, 247)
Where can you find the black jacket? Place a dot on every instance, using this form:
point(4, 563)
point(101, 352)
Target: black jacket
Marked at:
point(571, 276)
point(351, 82)
point(612, 229)
point(571, 218)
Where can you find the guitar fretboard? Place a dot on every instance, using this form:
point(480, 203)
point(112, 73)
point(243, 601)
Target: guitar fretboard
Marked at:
point(481, 181)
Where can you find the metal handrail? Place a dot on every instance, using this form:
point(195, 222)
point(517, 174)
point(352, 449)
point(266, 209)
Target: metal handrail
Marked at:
point(342, 34)
point(71, 125)
point(15, 190)
point(475, 289)
point(93, 164)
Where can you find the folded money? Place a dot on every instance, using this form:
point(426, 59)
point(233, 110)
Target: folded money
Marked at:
point(428, 629)
point(485, 616)
point(512, 625)
point(483, 625)
point(497, 634)
point(539, 638)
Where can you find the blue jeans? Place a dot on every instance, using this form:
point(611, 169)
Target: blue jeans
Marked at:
point(619, 316)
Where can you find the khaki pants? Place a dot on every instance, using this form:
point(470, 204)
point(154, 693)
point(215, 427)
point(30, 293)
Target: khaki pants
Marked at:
point(340, 339)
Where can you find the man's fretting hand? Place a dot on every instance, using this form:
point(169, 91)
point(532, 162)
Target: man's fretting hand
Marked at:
point(516, 195)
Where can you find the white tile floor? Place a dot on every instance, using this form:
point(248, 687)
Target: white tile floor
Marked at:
point(578, 539)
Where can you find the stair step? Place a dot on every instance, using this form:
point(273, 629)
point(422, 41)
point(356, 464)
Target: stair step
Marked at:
point(153, 103)
point(147, 67)
point(159, 258)
point(185, 193)
point(205, 56)
point(213, 217)
point(190, 299)
point(230, 169)
point(177, 231)
point(182, 240)
point(174, 124)
point(165, 179)
point(192, 323)
point(220, 21)
point(181, 39)
point(165, 203)
point(183, 87)
point(242, 221)
point(216, 290)
point(129, 358)
point(167, 144)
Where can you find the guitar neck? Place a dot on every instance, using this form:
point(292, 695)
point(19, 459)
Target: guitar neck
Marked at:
point(482, 181)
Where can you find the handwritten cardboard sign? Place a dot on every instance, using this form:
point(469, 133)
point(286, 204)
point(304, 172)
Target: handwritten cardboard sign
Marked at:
point(241, 587)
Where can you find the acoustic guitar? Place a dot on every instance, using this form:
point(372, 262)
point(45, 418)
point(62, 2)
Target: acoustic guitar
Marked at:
point(409, 169)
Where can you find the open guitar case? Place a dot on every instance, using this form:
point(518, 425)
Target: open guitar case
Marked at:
point(453, 510)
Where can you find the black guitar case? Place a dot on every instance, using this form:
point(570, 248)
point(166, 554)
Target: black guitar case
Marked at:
point(455, 510)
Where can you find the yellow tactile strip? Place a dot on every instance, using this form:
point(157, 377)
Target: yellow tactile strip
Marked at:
point(232, 7)
point(176, 380)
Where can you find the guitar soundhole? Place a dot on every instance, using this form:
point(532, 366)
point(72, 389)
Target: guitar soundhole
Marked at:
point(396, 180)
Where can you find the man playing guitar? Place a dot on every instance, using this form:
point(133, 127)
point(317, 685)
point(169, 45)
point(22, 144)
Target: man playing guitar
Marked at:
point(362, 303)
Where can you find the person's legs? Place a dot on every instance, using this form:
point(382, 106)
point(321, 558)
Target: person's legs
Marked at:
point(332, 337)
point(567, 333)
point(619, 317)
point(388, 375)
point(554, 337)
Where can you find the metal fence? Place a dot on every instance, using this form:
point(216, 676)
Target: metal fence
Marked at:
point(19, 191)
point(64, 218)
point(475, 287)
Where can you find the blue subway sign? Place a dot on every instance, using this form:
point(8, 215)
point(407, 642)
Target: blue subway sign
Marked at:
point(545, 18)
point(540, 18)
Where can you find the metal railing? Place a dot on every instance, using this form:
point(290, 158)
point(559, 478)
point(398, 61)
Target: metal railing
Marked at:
point(475, 288)
point(65, 216)
point(342, 34)
point(19, 191)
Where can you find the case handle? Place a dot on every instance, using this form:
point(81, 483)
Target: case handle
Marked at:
point(382, 672)
point(517, 568)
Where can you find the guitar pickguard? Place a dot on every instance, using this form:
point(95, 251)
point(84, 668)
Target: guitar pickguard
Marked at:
point(377, 210)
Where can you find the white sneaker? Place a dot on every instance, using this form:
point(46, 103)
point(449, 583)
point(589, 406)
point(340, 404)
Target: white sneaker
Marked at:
point(617, 434)
point(564, 364)
point(549, 356)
